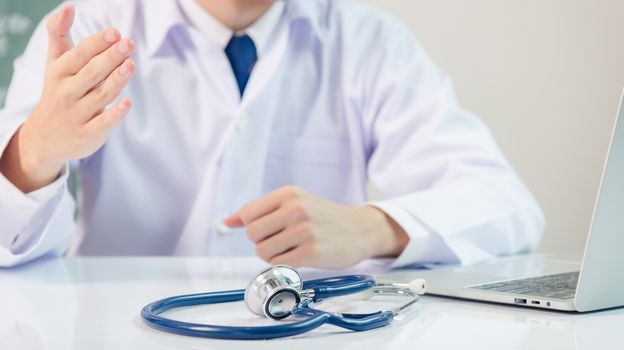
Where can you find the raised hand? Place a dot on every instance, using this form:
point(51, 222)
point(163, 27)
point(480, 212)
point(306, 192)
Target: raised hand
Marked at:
point(71, 120)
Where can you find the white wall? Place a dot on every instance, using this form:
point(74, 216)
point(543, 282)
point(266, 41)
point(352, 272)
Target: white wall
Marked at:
point(546, 76)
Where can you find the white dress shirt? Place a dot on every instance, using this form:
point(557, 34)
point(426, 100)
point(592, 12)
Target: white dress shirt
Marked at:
point(341, 95)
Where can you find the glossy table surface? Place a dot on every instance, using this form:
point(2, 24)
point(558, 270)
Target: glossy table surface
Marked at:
point(94, 303)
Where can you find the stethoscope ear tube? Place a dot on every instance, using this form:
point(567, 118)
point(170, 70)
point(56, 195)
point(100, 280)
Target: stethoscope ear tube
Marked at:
point(339, 286)
point(310, 319)
point(354, 322)
point(151, 315)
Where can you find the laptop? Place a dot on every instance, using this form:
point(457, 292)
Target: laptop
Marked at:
point(547, 282)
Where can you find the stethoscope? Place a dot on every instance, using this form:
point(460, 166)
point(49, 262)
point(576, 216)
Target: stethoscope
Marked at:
point(279, 292)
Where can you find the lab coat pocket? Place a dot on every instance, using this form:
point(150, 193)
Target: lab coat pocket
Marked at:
point(321, 166)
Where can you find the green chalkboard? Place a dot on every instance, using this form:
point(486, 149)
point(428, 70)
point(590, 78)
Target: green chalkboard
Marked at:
point(18, 18)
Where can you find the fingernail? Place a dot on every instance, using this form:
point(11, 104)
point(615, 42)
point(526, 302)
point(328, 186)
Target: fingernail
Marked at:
point(124, 105)
point(111, 36)
point(65, 11)
point(123, 47)
point(123, 69)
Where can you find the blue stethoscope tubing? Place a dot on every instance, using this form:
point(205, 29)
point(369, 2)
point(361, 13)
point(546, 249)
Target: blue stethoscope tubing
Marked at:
point(308, 317)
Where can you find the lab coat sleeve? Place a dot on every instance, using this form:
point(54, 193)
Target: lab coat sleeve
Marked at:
point(41, 222)
point(444, 180)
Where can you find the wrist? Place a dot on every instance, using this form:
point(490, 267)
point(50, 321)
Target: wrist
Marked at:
point(383, 236)
point(26, 168)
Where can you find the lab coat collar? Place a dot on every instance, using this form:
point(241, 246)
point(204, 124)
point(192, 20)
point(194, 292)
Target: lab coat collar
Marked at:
point(162, 16)
point(309, 12)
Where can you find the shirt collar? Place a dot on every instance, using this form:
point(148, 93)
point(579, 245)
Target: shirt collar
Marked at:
point(205, 22)
point(260, 31)
point(162, 16)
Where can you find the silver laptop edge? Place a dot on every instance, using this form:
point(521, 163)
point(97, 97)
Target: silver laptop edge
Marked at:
point(600, 281)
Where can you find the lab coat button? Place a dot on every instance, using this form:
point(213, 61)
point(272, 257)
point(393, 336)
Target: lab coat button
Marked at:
point(241, 123)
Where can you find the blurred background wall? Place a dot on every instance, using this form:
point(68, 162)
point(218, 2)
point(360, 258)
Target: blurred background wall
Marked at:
point(546, 76)
point(18, 19)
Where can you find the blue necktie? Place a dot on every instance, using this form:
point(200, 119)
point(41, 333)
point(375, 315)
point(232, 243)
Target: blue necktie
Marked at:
point(241, 52)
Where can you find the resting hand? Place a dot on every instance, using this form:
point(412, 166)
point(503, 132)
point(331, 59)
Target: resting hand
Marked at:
point(71, 120)
point(291, 226)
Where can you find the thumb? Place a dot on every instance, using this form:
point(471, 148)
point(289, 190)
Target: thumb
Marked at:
point(234, 221)
point(59, 37)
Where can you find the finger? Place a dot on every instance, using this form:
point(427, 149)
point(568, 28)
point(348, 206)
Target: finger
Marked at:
point(280, 243)
point(266, 204)
point(75, 59)
point(234, 221)
point(101, 66)
point(59, 37)
point(109, 118)
point(296, 257)
point(268, 225)
point(108, 91)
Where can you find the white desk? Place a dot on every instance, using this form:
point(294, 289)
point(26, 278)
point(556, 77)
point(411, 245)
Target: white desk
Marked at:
point(94, 303)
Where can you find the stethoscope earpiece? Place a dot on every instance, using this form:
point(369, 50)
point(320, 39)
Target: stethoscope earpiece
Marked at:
point(418, 286)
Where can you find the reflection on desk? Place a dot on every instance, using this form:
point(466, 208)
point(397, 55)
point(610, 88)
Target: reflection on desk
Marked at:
point(94, 303)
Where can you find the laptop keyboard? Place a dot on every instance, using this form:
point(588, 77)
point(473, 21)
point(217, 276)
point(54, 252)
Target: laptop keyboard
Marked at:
point(559, 286)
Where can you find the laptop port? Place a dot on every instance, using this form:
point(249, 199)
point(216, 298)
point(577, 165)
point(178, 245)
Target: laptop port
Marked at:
point(520, 301)
point(535, 302)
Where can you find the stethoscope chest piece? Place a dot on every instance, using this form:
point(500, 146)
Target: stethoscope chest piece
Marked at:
point(274, 292)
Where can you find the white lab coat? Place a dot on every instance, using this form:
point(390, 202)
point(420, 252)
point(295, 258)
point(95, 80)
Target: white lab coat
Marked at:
point(341, 96)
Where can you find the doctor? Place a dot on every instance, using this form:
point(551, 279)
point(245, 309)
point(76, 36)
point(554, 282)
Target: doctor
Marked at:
point(264, 117)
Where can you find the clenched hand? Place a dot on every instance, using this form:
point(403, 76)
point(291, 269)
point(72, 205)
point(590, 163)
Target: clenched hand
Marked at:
point(291, 226)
